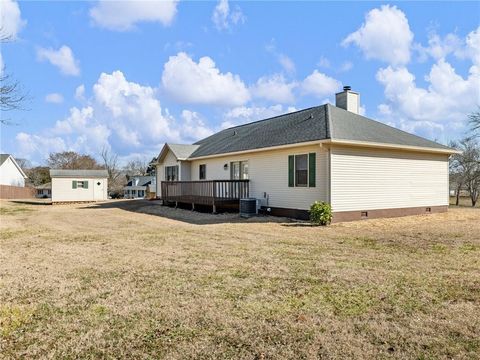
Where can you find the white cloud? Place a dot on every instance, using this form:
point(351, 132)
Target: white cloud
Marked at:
point(439, 48)
point(346, 66)
point(194, 127)
point(202, 82)
point(275, 88)
point(122, 115)
point(62, 58)
point(472, 49)
point(223, 17)
point(320, 85)
point(36, 145)
point(80, 93)
point(323, 62)
point(134, 110)
point(124, 15)
point(285, 61)
point(245, 114)
point(385, 35)
point(442, 105)
point(54, 98)
point(10, 18)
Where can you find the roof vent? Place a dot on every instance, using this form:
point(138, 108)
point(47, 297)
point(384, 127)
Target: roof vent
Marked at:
point(234, 132)
point(348, 100)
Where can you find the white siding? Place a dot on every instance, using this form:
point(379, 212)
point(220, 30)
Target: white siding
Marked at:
point(10, 175)
point(368, 179)
point(62, 190)
point(268, 173)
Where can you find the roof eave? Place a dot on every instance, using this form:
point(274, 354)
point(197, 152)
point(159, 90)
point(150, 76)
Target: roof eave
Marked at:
point(346, 142)
point(315, 142)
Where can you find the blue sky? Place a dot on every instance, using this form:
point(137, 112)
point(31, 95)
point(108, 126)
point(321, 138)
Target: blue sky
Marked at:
point(134, 75)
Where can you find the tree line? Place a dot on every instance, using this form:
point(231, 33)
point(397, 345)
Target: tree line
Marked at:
point(465, 167)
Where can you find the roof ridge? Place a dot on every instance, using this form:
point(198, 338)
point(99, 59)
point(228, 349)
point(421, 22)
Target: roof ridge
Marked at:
point(273, 117)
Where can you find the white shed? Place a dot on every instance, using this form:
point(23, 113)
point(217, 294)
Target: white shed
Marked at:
point(79, 185)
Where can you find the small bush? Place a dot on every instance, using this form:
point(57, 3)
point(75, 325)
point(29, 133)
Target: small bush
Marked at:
point(320, 213)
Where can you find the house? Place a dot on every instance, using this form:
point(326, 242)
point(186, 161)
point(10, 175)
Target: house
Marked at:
point(44, 191)
point(138, 187)
point(362, 167)
point(79, 185)
point(10, 172)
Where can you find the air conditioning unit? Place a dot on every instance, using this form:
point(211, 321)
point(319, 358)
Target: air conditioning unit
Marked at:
point(248, 207)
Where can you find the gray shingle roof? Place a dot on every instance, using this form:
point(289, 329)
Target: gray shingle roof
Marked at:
point(316, 123)
point(78, 173)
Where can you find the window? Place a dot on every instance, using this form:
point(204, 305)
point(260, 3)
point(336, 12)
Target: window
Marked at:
point(202, 172)
point(302, 170)
point(79, 184)
point(171, 173)
point(239, 170)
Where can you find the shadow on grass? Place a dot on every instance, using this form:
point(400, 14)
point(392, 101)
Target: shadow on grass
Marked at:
point(32, 202)
point(202, 215)
point(300, 224)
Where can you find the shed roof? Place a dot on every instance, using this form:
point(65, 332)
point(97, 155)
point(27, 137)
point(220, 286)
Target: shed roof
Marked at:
point(79, 173)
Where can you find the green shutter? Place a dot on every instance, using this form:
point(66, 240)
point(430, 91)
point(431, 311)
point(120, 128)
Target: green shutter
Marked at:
point(74, 184)
point(291, 170)
point(85, 184)
point(312, 169)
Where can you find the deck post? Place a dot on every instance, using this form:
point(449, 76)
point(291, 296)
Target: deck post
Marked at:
point(193, 206)
point(214, 209)
point(176, 204)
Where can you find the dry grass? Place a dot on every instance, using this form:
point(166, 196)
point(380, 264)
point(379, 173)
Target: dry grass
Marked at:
point(106, 282)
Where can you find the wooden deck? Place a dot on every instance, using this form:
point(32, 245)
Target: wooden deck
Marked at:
point(206, 192)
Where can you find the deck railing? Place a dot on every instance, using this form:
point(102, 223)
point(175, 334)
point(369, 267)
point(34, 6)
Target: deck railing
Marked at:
point(205, 192)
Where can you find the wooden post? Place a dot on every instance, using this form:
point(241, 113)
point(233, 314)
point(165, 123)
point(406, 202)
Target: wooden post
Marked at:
point(193, 206)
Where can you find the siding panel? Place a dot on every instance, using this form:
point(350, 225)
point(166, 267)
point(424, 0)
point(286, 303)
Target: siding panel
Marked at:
point(367, 179)
point(268, 173)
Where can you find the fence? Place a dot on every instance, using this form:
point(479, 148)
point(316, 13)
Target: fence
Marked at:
point(16, 192)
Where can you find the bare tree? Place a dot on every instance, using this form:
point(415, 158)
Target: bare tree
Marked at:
point(72, 160)
point(110, 161)
point(38, 175)
point(465, 168)
point(474, 120)
point(12, 95)
point(136, 167)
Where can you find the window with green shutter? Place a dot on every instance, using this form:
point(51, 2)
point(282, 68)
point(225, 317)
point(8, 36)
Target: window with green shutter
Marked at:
point(291, 170)
point(312, 164)
point(85, 184)
point(302, 170)
point(74, 184)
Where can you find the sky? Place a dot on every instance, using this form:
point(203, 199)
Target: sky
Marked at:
point(132, 75)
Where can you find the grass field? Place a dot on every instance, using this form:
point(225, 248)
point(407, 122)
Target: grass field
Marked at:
point(129, 279)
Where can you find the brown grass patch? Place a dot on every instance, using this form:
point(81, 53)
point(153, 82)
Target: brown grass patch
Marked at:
point(82, 281)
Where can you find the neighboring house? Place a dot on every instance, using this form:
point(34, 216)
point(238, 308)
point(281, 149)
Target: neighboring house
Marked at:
point(363, 168)
point(10, 172)
point(44, 191)
point(139, 186)
point(79, 185)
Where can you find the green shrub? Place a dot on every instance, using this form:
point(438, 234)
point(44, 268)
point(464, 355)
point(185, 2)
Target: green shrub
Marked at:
point(320, 213)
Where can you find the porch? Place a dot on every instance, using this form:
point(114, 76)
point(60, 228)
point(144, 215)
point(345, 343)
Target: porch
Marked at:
point(205, 192)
